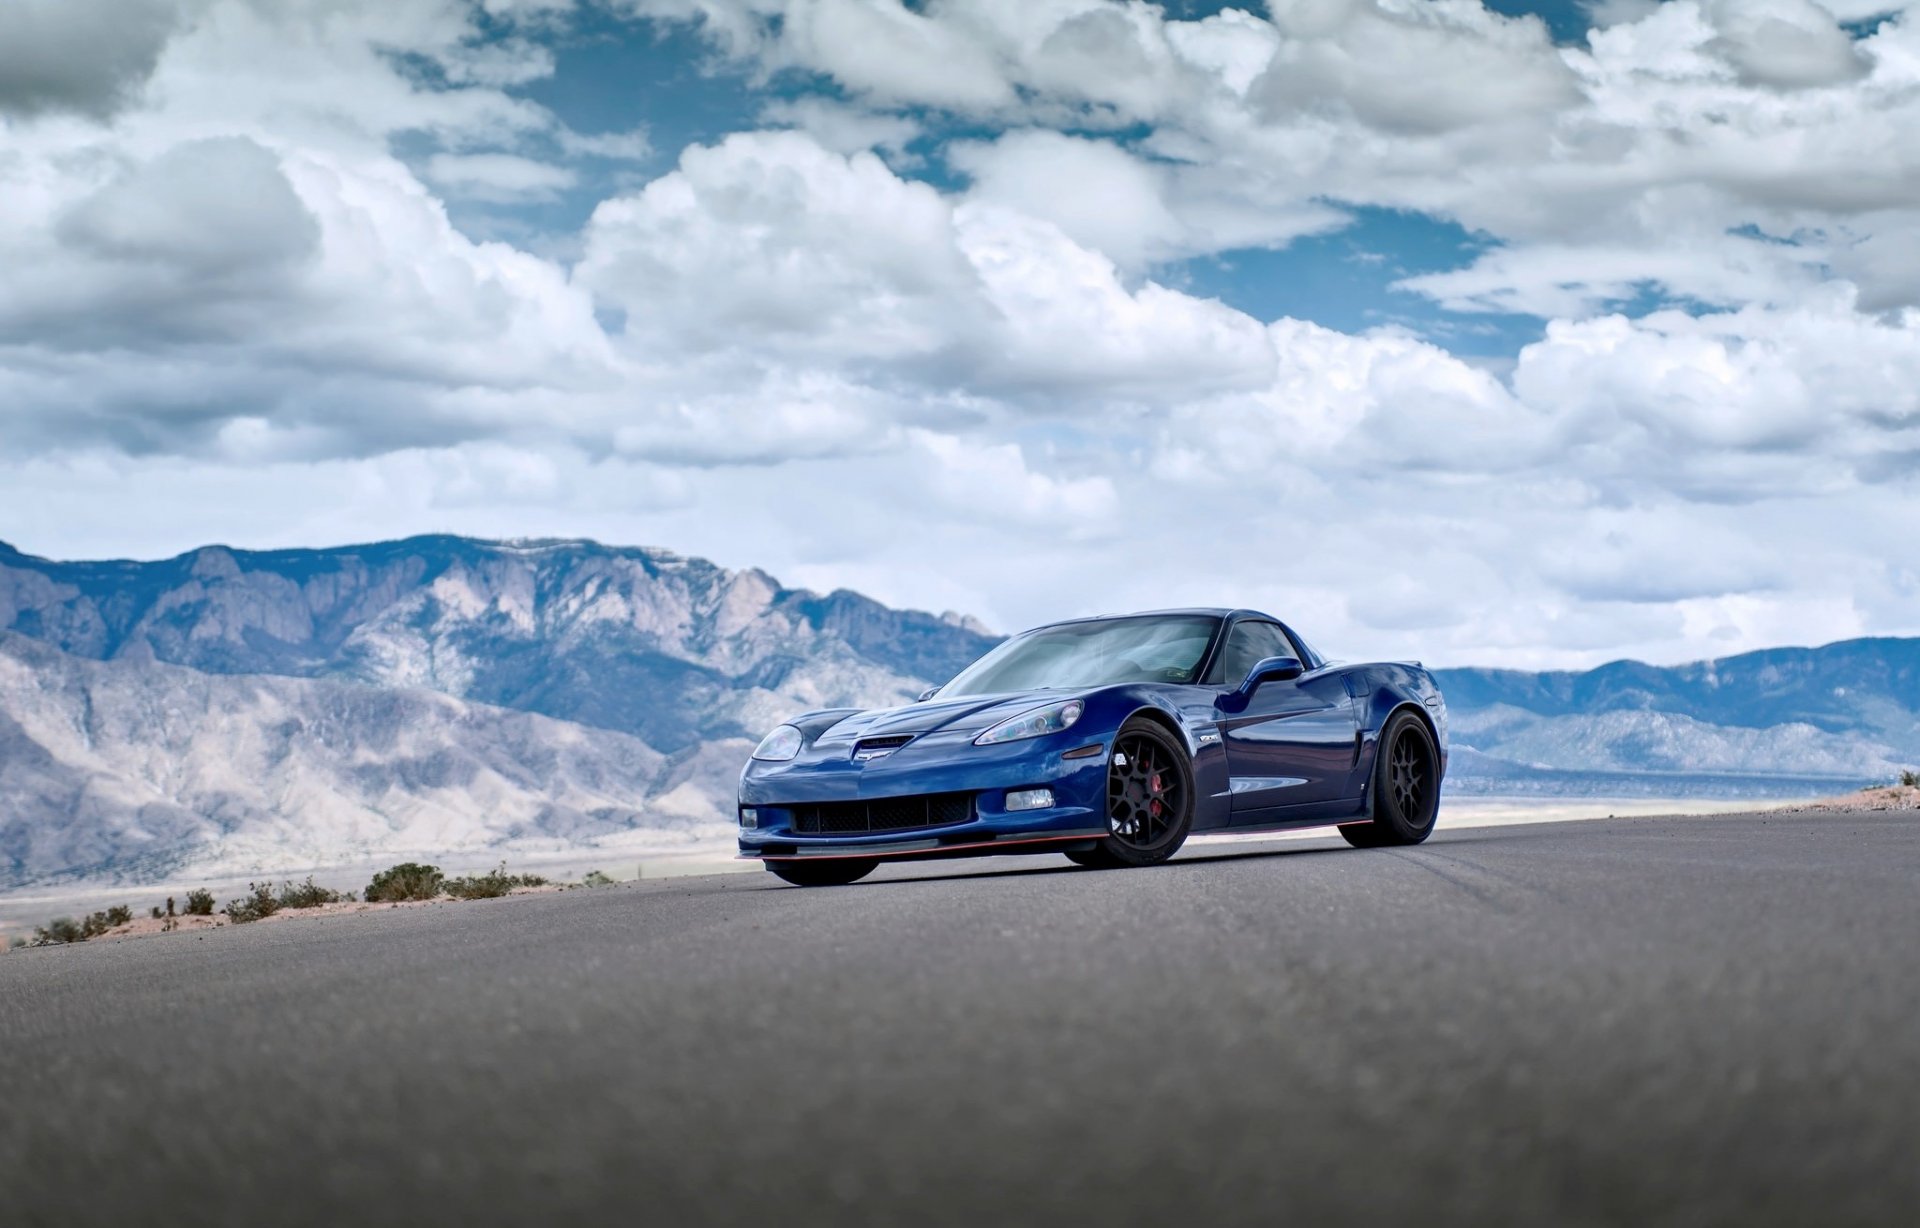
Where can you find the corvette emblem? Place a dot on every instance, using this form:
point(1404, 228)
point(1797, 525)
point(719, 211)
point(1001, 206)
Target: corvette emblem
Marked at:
point(871, 753)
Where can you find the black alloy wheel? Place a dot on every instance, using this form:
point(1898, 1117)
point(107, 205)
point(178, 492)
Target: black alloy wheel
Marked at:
point(1149, 799)
point(826, 872)
point(1406, 787)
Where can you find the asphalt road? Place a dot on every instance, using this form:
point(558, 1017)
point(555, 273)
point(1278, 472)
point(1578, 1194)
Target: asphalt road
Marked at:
point(1652, 1021)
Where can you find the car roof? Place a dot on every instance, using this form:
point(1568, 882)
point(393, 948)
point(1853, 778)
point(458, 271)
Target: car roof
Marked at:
point(1188, 612)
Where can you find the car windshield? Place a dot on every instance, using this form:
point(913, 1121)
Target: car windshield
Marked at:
point(1091, 654)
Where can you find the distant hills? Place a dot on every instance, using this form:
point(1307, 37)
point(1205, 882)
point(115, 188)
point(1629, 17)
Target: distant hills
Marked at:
point(1780, 721)
point(246, 710)
point(646, 642)
point(250, 710)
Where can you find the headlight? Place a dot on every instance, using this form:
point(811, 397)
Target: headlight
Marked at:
point(780, 745)
point(1050, 719)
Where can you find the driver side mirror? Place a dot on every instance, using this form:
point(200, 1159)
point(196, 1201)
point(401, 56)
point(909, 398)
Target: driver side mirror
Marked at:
point(1272, 669)
point(927, 694)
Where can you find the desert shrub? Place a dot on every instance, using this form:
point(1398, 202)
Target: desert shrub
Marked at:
point(63, 930)
point(259, 902)
point(16, 942)
point(491, 884)
point(407, 881)
point(593, 878)
point(307, 895)
point(57, 931)
point(199, 902)
point(155, 912)
point(1910, 778)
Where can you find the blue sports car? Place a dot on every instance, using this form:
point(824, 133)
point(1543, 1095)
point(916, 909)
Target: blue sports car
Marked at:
point(1109, 740)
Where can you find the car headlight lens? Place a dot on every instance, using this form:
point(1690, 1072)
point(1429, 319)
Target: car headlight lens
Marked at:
point(1050, 719)
point(780, 745)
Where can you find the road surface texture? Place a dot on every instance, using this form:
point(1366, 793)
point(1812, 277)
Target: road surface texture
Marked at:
point(1646, 1022)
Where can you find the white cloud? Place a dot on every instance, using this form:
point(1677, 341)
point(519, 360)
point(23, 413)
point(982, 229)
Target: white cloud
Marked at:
point(843, 128)
point(1732, 404)
point(770, 242)
point(88, 56)
point(1413, 68)
point(772, 246)
point(499, 177)
point(1786, 44)
point(1136, 211)
point(231, 312)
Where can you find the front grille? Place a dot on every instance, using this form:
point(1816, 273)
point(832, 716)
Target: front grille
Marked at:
point(883, 814)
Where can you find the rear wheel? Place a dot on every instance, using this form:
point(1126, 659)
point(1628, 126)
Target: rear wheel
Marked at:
point(1406, 787)
point(1149, 799)
point(827, 872)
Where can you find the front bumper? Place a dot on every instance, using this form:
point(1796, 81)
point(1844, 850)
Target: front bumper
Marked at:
point(939, 763)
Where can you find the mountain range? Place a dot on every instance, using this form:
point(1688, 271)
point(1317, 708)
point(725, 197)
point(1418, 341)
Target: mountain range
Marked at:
point(1777, 722)
point(248, 711)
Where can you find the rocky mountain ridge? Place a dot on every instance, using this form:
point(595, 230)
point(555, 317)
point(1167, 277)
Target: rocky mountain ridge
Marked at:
point(135, 768)
point(671, 649)
point(1846, 713)
point(289, 707)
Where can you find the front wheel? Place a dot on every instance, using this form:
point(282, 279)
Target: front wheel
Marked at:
point(1406, 787)
point(1149, 799)
point(827, 872)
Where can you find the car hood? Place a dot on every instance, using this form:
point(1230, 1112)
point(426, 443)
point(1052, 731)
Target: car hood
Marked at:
point(964, 715)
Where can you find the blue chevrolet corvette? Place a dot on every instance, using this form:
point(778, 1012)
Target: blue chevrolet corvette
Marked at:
point(1109, 740)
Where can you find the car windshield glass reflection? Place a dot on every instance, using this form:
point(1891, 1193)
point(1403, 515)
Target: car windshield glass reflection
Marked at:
point(1091, 654)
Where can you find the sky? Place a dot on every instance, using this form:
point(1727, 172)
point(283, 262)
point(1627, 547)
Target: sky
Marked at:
point(1525, 334)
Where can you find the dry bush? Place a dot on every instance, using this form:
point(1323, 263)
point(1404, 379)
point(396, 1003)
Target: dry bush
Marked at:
point(407, 881)
point(307, 895)
point(62, 930)
point(57, 931)
point(490, 885)
point(259, 902)
point(199, 902)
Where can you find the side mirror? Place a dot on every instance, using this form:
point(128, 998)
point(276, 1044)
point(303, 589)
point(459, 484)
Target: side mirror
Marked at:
point(927, 694)
point(1272, 669)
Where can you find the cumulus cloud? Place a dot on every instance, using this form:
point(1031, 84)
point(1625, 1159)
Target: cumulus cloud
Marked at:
point(843, 128)
point(1786, 44)
point(1714, 118)
point(928, 304)
point(498, 177)
point(804, 252)
point(1136, 210)
point(1798, 399)
point(207, 206)
point(1412, 68)
point(88, 56)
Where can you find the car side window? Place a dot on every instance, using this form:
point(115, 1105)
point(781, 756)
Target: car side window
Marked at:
point(1248, 644)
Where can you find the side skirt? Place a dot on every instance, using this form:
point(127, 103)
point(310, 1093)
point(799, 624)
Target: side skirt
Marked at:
point(1315, 814)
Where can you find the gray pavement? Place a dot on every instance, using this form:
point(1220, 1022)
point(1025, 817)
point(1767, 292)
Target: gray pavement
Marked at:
point(1647, 1021)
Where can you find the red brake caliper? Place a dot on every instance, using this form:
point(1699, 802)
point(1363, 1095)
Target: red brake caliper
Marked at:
point(1154, 784)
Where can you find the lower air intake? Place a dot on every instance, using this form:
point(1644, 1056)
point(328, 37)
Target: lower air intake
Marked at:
point(883, 814)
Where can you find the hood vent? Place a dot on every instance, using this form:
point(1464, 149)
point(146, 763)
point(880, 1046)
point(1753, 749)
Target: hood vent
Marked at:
point(878, 748)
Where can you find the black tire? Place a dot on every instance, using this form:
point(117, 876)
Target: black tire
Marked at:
point(826, 872)
point(1149, 799)
point(1406, 787)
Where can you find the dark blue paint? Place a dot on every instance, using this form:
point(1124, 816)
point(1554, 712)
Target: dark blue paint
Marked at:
point(1299, 734)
